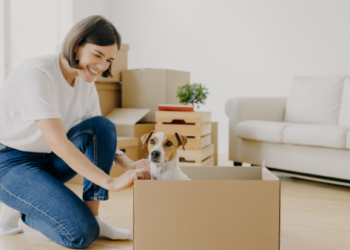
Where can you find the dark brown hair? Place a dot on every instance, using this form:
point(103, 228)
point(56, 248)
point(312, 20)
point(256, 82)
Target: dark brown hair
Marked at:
point(93, 29)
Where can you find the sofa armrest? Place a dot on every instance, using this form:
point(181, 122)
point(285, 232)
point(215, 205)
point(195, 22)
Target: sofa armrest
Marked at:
point(240, 109)
point(255, 108)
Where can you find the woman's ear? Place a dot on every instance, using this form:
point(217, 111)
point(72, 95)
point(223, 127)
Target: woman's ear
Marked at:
point(145, 138)
point(181, 139)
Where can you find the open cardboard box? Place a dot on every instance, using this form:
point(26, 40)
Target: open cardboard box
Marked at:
point(222, 208)
point(127, 122)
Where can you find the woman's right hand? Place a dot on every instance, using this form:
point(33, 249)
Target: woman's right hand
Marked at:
point(126, 180)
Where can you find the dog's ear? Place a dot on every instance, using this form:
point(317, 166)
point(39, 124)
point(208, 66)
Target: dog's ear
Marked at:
point(181, 139)
point(145, 138)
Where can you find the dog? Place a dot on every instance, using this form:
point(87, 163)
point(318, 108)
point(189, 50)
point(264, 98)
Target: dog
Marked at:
point(163, 155)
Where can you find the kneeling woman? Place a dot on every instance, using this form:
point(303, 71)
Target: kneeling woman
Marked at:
point(51, 128)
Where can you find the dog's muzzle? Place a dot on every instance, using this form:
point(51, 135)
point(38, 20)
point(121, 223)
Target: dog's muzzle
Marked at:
point(155, 155)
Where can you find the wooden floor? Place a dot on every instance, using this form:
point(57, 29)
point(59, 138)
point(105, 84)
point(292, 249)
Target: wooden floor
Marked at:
point(313, 216)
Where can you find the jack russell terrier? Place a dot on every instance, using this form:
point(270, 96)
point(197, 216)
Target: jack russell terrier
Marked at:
point(163, 155)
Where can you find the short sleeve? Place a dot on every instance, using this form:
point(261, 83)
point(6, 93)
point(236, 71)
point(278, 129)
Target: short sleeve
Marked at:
point(35, 96)
point(94, 104)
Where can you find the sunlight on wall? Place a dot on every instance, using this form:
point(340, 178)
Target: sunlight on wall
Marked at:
point(35, 32)
point(2, 41)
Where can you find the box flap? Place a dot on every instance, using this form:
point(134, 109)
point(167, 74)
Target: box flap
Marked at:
point(267, 175)
point(222, 173)
point(125, 142)
point(126, 116)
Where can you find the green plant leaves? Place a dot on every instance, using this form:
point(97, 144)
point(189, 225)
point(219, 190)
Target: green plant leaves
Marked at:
point(192, 93)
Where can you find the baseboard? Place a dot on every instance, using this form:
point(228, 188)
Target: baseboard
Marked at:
point(328, 180)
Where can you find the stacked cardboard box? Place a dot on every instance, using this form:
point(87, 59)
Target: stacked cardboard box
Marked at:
point(146, 88)
point(109, 96)
point(197, 126)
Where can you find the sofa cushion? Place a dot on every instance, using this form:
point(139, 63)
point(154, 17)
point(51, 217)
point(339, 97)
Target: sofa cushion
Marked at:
point(344, 113)
point(261, 130)
point(314, 100)
point(316, 135)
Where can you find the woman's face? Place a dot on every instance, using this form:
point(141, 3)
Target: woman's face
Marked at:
point(94, 59)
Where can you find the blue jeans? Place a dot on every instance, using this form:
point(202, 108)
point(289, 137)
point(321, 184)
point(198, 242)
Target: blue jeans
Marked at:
point(32, 183)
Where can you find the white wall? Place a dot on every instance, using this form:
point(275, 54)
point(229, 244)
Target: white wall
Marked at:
point(85, 8)
point(237, 48)
point(2, 43)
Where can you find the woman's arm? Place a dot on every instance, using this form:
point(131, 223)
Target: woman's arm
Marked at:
point(55, 135)
point(123, 161)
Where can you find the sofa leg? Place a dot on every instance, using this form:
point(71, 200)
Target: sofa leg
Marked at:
point(235, 163)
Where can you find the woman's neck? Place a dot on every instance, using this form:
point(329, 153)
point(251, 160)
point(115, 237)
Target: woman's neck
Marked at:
point(68, 72)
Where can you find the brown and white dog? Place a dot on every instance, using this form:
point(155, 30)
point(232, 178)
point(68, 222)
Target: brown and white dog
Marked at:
point(163, 155)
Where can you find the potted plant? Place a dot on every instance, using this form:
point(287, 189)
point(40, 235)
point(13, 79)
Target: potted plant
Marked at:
point(192, 93)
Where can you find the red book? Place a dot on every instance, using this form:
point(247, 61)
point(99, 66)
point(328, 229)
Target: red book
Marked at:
point(174, 107)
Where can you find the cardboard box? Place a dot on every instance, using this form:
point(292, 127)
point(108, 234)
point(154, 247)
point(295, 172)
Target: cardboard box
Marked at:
point(222, 208)
point(127, 122)
point(127, 144)
point(146, 88)
point(109, 94)
point(119, 64)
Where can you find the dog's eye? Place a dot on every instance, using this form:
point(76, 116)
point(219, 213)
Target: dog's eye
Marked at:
point(169, 143)
point(151, 141)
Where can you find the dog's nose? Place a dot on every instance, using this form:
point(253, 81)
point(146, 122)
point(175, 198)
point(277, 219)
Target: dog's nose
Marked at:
point(155, 154)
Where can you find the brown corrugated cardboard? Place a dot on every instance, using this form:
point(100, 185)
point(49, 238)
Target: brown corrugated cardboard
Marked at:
point(109, 94)
point(127, 124)
point(220, 208)
point(119, 64)
point(146, 88)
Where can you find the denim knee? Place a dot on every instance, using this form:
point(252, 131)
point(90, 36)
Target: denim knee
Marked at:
point(86, 234)
point(103, 123)
point(103, 127)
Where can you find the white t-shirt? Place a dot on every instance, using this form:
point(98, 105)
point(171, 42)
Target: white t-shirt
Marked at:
point(37, 90)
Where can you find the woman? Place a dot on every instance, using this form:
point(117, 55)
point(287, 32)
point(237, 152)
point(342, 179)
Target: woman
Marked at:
point(51, 128)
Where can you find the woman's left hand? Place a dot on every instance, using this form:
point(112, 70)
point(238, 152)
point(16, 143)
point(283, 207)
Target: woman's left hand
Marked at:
point(143, 164)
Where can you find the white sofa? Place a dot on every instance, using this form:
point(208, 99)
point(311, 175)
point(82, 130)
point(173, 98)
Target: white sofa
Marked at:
point(307, 132)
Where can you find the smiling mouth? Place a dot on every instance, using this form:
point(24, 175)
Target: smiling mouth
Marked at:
point(92, 71)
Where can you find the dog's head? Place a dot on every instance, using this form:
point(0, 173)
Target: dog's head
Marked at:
point(162, 147)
